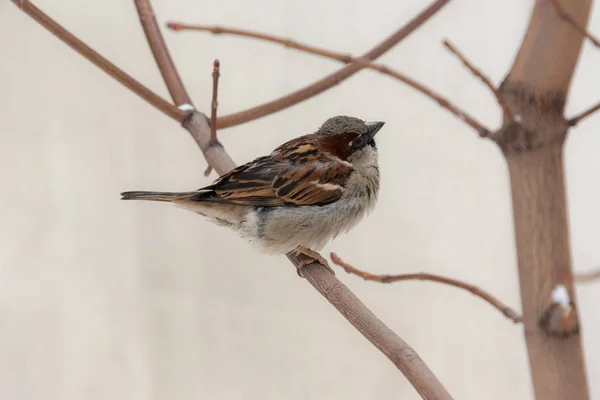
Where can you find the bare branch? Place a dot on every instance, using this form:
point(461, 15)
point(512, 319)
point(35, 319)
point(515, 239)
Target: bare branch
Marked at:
point(329, 81)
point(214, 103)
point(161, 53)
point(404, 357)
point(422, 276)
point(587, 277)
point(400, 353)
point(218, 30)
point(564, 15)
point(381, 336)
point(198, 125)
point(578, 118)
point(486, 81)
point(347, 59)
point(213, 109)
point(95, 58)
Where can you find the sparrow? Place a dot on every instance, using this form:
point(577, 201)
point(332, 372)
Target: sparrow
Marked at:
point(299, 197)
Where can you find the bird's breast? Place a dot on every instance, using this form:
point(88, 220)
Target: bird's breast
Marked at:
point(281, 229)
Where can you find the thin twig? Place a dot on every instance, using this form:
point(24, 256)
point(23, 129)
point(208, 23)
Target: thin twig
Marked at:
point(217, 30)
point(95, 58)
point(486, 81)
point(578, 118)
point(345, 58)
point(213, 109)
point(564, 15)
point(161, 53)
point(422, 276)
point(587, 277)
point(329, 81)
point(214, 104)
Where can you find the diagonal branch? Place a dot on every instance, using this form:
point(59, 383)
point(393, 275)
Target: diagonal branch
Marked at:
point(213, 151)
point(330, 80)
point(578, 118)
point(381, 336)
point(402, 355)
point(347, 59)
point(422, 276)
point(161, 53)
point(564, 15)
point(95, 58)
point(342, 298)
point(486, 81)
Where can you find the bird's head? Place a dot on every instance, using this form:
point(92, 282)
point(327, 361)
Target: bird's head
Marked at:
point(351, 139)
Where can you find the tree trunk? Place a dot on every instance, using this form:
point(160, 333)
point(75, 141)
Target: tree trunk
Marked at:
point(541, 231)
point(535, 92)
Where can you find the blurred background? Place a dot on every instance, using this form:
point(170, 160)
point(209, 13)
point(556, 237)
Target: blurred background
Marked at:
point(104, 299)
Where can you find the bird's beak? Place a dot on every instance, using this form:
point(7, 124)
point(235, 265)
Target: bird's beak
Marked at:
point(374, 127)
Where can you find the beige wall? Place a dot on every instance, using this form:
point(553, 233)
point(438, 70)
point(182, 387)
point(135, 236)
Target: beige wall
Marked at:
point(102, 299)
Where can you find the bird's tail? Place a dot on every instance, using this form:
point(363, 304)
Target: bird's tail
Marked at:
point(171, 197)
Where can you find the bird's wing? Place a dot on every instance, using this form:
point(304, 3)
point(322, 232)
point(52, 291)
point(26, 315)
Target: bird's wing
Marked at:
point(297, 177)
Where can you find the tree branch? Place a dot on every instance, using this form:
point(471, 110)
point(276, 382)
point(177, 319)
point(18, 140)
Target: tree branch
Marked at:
point(422, 276)
point(538, 62)
point(161, 53)
point(218, 30)
point(213, 109)
point(404, 357)
point(382, 337)
point(347, 59)
point(580, 117)
point(329, 81)
point(587, 277)
point(394, 348)
point(564, 15)
point(95, 58)
point(486, 81)
point(214, 104)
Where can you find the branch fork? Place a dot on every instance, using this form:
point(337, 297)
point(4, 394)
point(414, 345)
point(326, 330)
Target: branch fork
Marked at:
point(204, 133)
point(559, 316)
point(422, 276)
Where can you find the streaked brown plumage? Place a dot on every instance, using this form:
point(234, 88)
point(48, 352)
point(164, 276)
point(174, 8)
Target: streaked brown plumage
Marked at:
point(302, 195)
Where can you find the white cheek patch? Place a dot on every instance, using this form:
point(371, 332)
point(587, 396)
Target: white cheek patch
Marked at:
point(364, 157)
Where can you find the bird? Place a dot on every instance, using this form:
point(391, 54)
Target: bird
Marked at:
point(298, 198)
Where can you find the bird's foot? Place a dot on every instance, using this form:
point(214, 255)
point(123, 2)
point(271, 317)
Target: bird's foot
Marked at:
point(304, 257)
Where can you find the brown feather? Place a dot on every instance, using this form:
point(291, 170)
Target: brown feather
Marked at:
point(296, 173)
